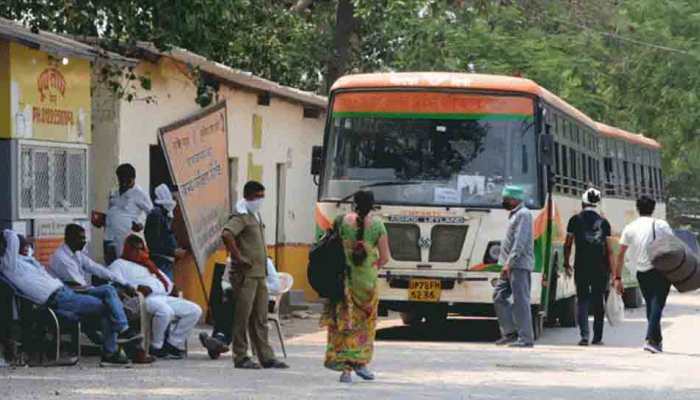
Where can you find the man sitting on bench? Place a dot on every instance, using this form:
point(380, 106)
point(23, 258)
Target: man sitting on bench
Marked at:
point(34, 282)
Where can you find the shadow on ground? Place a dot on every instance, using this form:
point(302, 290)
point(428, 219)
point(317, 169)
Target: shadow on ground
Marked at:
point(452, 330)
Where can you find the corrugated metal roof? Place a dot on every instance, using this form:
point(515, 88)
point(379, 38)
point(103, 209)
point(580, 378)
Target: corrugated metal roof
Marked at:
point(238, 77)
point(55, 44)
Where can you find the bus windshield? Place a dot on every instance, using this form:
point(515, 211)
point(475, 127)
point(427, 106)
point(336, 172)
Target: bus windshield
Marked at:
point(433, 159)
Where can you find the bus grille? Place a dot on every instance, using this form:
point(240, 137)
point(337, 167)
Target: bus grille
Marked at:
point(403, 242)
point(447, 241)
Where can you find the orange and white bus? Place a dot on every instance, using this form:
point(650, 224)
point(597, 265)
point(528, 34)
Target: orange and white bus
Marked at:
point(437, 149)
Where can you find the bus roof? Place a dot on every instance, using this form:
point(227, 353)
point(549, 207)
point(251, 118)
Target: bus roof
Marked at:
point(457, 80)
point(617, 133)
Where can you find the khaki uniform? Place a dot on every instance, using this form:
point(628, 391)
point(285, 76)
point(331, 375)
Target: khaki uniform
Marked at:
point(249, 288)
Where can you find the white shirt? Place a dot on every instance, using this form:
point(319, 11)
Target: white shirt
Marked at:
point(26, 273)
point(637, 236)
point(124, 209)
point(77, 267)
point(136, 274)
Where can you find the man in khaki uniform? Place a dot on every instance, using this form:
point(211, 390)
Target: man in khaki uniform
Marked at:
point(244, 237)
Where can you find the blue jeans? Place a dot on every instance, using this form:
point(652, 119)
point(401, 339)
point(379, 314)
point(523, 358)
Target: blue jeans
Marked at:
point(655, 288)
point(109, 297)
point(85, 306)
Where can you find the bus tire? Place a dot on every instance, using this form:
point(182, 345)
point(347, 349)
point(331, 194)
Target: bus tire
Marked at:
point(632, 297)
point(567, 312)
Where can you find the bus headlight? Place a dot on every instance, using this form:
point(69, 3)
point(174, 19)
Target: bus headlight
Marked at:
point(493, 252)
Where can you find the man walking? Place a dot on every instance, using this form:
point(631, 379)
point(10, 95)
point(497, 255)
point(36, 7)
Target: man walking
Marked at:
point(244, 237)
point(517, 258)
point(590, 232)
point(128, 207)
point(636, 238)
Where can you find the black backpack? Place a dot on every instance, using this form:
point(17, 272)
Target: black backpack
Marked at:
point(594, 239)
point(327, 264)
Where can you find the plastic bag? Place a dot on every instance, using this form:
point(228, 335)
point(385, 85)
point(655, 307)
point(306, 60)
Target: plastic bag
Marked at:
point(615, 308)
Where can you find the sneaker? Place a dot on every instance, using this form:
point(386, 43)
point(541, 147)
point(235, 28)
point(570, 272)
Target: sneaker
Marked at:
point(583, 342)
point(346, 377)
point(168, 352)
point(246, 363)
point(129, 336)
point(116, 359)
point(276, 364)
point(364, 373)
point(507, 339)
point(652, 348)
point(519, 344)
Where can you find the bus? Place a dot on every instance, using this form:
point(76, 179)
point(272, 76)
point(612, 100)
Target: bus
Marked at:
point(437, 149)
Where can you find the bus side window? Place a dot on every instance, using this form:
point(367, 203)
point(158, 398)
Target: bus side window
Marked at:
point(565, 168)
point(574, 174)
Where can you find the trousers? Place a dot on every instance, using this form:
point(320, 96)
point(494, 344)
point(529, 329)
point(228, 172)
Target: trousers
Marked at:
point(86, 306)
point(590, 292)
point(516, 316)
point(655, 288)
point(176, 314)
point(250, 316)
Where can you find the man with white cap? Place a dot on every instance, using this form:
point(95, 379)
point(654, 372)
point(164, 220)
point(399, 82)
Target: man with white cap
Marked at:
point(518, 261)
point(590, 233)
point(159, 233)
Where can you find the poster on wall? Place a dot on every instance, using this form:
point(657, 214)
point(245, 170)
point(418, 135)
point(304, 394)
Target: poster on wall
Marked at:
point(196, 149)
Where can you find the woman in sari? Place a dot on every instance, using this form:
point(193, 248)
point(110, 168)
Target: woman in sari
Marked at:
point(351, 322)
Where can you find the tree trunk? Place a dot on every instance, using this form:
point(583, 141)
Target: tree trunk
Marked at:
point(344, 28)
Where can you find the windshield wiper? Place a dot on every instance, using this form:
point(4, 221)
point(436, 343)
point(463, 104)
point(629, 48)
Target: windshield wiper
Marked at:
point(379, 184)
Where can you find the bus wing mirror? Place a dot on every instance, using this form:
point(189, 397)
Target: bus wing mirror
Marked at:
point(547, 149)
point(316, 160)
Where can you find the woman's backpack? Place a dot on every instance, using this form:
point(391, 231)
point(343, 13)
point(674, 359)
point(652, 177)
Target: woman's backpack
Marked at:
point(327, 264)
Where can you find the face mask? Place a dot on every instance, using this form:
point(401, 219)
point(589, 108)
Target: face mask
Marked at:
point(254, 206)
point(30, 251)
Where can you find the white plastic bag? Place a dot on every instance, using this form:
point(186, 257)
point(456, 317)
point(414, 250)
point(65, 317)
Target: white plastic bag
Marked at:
point(615, 308)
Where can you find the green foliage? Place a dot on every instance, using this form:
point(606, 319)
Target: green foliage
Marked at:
point(632, 64)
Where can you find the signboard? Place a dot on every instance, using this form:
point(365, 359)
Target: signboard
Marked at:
point(196, 149)
point(49, 97)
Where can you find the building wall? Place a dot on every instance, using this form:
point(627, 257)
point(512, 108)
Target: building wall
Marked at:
point(263, 139)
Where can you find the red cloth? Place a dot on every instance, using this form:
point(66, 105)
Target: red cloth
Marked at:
point(141, 257)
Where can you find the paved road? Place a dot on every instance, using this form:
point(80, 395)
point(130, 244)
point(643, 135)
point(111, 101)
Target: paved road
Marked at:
point(454, 364)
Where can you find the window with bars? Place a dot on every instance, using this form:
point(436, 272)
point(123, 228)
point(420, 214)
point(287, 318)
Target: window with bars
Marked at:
point(52, 180)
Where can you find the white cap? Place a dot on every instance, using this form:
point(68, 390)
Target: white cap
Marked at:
point(591, 197)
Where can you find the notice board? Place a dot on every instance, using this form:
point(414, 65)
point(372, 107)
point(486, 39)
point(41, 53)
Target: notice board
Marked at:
point(196, 150)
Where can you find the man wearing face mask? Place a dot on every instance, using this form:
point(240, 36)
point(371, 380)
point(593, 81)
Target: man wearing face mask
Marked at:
point(244, 237)
point(159, 233)
point(518, 260)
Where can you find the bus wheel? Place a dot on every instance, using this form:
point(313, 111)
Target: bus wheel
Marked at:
point(567, 312)
point(632, 297)
point(410, 318)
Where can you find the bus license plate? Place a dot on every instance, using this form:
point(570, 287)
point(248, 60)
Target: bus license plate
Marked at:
point(425, 290)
